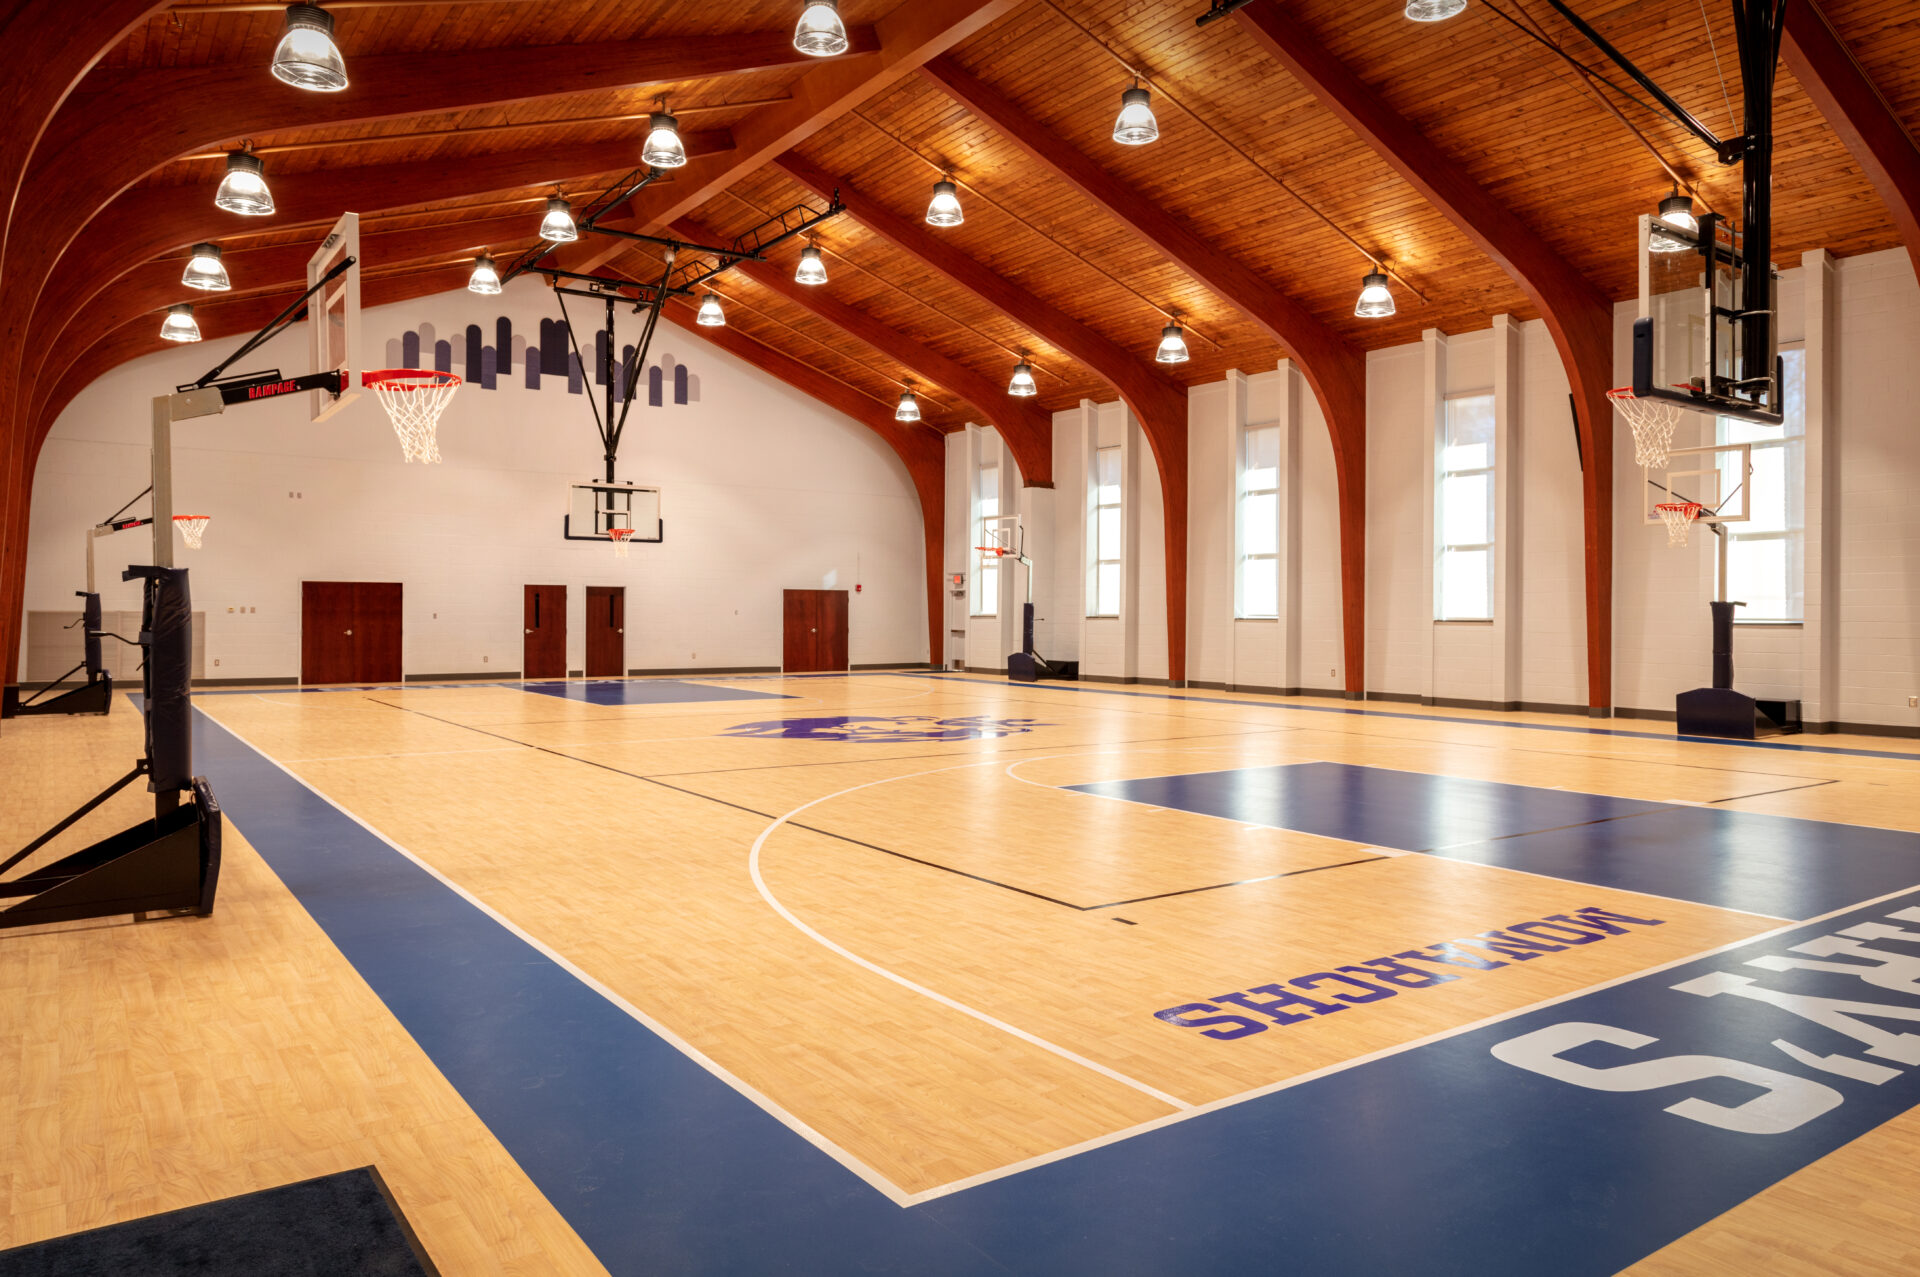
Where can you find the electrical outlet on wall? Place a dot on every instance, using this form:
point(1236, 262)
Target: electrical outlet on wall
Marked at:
point(1913, 702)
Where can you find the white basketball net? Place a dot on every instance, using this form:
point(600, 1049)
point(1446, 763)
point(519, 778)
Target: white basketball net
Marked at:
point(1679, 517)
point(622, 541)
point(414, 401)
point(192, 527)
point(1652, 422)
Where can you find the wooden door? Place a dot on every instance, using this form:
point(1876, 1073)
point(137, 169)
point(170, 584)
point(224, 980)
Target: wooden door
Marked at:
point(376, 631)
point(813, 631)
point(606, 631)
point(350, 631)
point(326, 632)
point(545, 654)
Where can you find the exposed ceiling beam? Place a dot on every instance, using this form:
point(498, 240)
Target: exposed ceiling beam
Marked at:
point(1577, 313)
point(1027, 429)
point(1158, 403)
point(922, 451)
point(908, 36)
point(1334, 368)
point(1857, 111)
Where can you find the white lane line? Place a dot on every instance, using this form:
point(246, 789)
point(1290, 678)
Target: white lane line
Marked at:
point(760, 885)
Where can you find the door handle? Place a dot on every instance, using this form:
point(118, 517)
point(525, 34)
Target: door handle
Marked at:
point(809, 631)
point(619, 631)
point(529, 631)
point(349, 633)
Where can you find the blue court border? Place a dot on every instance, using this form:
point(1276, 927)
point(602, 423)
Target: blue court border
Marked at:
point(1426, 718)
point(661, 1167)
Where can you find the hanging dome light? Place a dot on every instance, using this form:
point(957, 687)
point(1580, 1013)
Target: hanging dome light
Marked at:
point(1434, 10)
point(204, 270)
point(486, 279)
point(945, 209)
point(244, 189)
point(1676, 211)
point(557, 227)
point(179, 325)
point(909, 409)
point(1376, 299)
point(664, 148)
point(820, 33)
point(811, 270)
point(1136, 125)
point(1173, 345)
point(711, 316)
point(1022, 386)
point(307, 57)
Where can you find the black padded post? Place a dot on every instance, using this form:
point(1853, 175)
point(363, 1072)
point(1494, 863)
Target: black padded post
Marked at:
point(166, 631)
point(1723, 643)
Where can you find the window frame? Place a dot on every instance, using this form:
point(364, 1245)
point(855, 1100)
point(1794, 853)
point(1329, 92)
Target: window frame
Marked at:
point(985, 580)
point(1092, 602)
point(1795, 536)
point(1441, 546)
point(1242, 557)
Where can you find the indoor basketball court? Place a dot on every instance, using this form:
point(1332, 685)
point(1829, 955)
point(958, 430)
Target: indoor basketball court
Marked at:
point(1220, 636)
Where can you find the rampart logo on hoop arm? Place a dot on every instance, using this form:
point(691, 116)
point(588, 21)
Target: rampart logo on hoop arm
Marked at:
point(864, 728)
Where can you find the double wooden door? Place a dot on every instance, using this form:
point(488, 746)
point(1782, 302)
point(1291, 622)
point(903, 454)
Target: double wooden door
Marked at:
point(545, 651)
point(814, 632)
point(350, 631)
point(606, 631)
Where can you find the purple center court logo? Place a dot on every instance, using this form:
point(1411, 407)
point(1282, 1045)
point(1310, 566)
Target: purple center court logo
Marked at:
point(905, 727)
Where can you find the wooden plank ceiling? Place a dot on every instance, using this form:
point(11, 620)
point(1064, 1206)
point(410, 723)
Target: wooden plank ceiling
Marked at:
point(1517, 119)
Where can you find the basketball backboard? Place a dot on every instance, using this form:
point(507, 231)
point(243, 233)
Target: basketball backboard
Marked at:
point(593, 509)
point(1690, 312)
point(1718, 476)
point(333, 332)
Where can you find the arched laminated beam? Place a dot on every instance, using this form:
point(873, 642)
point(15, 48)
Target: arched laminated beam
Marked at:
point(1159, 404)
point(1874, 136)
point(1028, 430)
point(921, 449)
point(1576, 312)
point(1335, 369)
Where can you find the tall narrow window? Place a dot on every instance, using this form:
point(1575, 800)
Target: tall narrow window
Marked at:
point(1259, 586)
point(1463, 585)
point(986, 576)
point(1103, 535)
point(1766, 555)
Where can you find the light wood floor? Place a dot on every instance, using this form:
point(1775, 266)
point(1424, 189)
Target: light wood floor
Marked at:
point(932, 1025)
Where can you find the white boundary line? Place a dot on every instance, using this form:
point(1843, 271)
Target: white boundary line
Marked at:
point(871, 1177)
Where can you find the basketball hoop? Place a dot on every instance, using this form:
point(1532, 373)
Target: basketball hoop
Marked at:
point(1679, 517)
point(997, 551)
point(192, 528)
point(622, 541)
point(1652, 422)
point(414, 398)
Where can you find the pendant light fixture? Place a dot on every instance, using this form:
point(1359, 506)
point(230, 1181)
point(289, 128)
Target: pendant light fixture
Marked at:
point(307, 57)
point(664, 148)
point(1022, 386)
point(205, 271)
point(1136, 125)
point(811, 270)
point(1434, 10)
point(1173, 344)
point(1676, 211)
point(711, 316)
point(485, 280)
point(945, 208)
point(909, 409)
point(557, 226)
point(820, 33)
point(179, 325)
point(1376, 299)
point(244, 189)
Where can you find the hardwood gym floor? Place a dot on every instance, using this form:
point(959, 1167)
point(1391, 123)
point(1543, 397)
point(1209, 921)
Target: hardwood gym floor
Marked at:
point(924, 973)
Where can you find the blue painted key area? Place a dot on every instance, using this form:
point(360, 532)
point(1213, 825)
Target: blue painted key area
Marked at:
point(1773, 865)
point(1440, 1160)
point(651, 692)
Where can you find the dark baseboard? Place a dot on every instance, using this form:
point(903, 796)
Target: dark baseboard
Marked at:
point(1656, 715)
point(898, 665)
point(484, 676)
point(1404, 698)
point(240, 682)
point(708, 670)
point(1111, 678)
point(1877, 729)
point(1897, 731)
point(576, 673)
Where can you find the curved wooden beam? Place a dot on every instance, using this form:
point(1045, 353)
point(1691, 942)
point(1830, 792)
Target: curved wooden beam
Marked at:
point(1335, 369)
point(1854, 109)
point(1027, 429)
point(921, 450)
point(1158, 403)
point(1577, 313)
point(909, 35)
